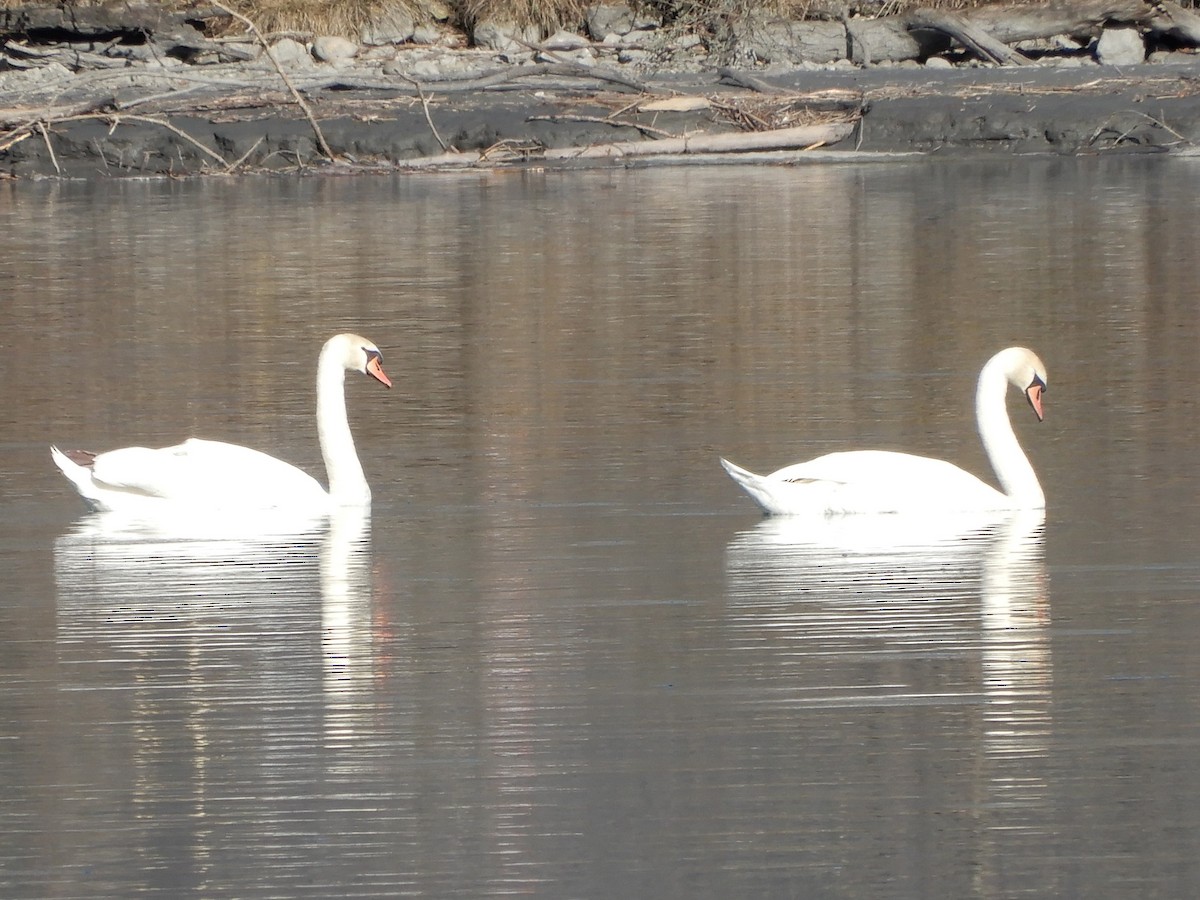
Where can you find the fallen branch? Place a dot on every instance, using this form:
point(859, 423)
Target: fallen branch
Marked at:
point(49, 146)
point(780, 139)
point(428, 117)
point(798, 138)
point(605, 120)
point(27, 123)
point(1173, 21)
point(726, 75)
point(497, 77)
point(971, 36)
point(241, 159)
point(42, 125)
point(162, 123)
point(308, 113)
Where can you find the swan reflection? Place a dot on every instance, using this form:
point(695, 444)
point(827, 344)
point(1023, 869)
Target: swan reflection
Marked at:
point(876, 610)
point(268, 612)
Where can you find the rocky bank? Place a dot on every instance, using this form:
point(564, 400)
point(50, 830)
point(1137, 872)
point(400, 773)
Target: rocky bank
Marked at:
point(146, 93)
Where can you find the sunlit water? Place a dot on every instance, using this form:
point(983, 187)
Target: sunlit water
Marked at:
point(565, 656)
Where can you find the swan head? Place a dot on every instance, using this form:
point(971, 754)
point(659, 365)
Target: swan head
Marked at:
point(356, 354)
point(1027, 373)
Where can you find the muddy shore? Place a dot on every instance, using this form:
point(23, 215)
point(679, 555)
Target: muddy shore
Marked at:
point(108, 125)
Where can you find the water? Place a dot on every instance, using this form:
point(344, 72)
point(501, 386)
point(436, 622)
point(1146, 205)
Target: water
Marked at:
point(566, 657)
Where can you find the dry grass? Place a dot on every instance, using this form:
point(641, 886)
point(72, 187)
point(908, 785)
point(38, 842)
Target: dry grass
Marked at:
point(346, 17)
point(548, 15)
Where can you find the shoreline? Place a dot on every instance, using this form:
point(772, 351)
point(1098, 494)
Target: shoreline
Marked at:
point(145, 122)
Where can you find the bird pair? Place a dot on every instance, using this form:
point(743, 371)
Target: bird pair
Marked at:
point(205, 475)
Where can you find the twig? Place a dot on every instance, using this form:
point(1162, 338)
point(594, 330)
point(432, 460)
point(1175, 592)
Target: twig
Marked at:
point(503, 76)
point(1123, 135)
point(49, 146)
point(100, 153)
point(726, 75)
point(308, 113)
point(509, 148)
point(241, 159)
point(13, 141)
point(151, 98)
point(1161, 124)
point(428, 118)
point(150, 120)
point(647, 130)
point(966, 32)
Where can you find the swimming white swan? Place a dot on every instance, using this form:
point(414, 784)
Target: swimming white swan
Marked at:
point(877, 481)
point(200, 475)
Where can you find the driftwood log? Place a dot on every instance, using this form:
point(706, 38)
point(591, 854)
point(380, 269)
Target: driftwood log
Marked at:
point(799, 138)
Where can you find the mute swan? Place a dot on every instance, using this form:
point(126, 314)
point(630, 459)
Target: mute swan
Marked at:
point(878, 481)
point(200, 475)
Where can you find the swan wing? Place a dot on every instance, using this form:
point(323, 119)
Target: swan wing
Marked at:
point(209, 472)
point(867, 481)
point(884, 481)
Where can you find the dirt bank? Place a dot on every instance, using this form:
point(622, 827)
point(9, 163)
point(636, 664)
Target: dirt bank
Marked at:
point(128, 109)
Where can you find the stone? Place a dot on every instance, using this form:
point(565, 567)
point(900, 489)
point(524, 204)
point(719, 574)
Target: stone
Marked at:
point(392, 25)
point(435, 10)
point(417, 70)
point(429, 65)
point(1120, 47)
point(565, 40)
point(332, 48)
point(291, 54)
point(609, 19)
point(633, 56)
point(426, 34)
point(504, 37)
point(582, 56)
point(1164, 57)
point(938, 62)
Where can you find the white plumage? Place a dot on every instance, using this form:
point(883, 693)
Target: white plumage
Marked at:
point(200, 475)
point(879, 481)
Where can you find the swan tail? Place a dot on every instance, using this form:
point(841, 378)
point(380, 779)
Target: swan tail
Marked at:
point(76, 466)
point(754, 485)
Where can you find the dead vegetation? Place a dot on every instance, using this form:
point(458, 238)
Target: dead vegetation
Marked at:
point(761, 117)
point(712, 17)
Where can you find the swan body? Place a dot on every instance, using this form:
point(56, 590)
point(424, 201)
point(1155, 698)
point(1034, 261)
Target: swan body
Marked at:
point(879, 481)
point(200, 475)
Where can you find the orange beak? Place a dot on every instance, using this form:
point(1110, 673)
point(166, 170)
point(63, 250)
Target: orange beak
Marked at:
point(1034, 393)
point(375, 370)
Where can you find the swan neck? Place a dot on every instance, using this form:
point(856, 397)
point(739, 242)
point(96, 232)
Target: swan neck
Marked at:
point(1009, 461)
point(347, 484)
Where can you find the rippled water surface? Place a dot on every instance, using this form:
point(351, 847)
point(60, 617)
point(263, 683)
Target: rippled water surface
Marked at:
point(565, 656)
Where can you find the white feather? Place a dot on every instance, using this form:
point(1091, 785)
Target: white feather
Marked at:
point(204, 475)
point(879, 481)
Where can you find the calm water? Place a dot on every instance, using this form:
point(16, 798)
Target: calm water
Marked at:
point(566, 658)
